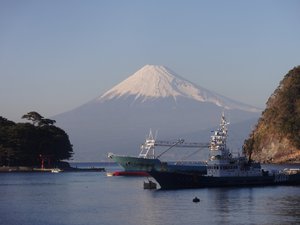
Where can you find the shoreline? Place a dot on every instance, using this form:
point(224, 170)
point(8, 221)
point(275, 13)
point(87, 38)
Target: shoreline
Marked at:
point(25, 169)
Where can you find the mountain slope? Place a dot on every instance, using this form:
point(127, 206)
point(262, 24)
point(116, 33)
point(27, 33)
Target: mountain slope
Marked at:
point(276, 137)
point(153, 97)
point(152, 82)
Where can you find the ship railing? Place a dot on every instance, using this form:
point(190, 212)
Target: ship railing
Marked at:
point(291, 171)
point(182, 144)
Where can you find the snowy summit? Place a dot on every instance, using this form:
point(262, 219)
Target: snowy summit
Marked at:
point(154, 82)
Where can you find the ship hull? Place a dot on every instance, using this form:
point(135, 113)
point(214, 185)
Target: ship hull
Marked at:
point(135, 164)
point(181, 180)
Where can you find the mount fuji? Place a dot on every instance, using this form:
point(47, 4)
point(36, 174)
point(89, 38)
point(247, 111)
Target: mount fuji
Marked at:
point(153, 97)
point(155, 82)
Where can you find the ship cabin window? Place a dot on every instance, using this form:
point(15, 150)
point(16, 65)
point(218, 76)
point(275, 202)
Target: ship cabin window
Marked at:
point(213, 167)
point(228, 167)
point(221, 167)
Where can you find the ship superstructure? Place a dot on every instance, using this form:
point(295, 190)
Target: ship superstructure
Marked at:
point(147, 159)
point(224, 170)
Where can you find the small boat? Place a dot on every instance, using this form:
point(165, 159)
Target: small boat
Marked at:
point(56, 170)
point(109, 174)
point(196, 200)
point(147, 160)
point(150, 184)
point(224, 170)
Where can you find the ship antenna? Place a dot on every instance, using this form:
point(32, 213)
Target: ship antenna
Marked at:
point(150, 134)
point(156, 133)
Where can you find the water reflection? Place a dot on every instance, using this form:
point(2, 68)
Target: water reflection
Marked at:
point(93, 198)
point(286, 205)
point(269, 205)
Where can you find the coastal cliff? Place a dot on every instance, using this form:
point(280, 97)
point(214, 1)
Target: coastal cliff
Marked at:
point(276, 137)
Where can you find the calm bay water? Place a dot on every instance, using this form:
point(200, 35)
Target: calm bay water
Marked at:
point(93, 198)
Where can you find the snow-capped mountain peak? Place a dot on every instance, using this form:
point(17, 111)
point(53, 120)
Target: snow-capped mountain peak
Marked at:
point(153, 82)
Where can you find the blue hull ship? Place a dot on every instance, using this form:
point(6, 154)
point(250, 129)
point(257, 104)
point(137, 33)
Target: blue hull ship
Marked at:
point(147, 160)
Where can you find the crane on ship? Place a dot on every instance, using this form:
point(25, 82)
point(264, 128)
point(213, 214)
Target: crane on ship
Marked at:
point(148, 148)
point(180, 143)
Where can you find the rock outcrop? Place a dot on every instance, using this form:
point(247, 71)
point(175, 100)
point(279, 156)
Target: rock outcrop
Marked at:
point(276, 137)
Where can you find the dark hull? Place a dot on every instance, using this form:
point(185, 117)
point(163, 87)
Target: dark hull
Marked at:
point(180, 180)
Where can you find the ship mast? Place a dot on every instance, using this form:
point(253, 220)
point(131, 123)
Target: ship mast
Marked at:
point(148, 148)
point(218, 148)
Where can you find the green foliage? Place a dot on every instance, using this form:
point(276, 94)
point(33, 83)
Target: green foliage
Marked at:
point(34, 116)
point(287, 104)
point(281, 116)
point(37, 119)
point(25, 144)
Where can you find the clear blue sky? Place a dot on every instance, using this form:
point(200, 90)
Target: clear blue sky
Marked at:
point(56, 55)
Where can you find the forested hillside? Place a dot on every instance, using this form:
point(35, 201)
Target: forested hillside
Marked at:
point(30, 144)
point(276, 137)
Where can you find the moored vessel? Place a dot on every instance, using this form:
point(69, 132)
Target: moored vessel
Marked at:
point(56, 170)
point(147, 159)
point(224, 170)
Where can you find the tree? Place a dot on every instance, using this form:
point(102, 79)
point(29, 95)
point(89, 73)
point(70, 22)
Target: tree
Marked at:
point(37, 119)
point(25, 143)
point(5, 122)
point(54, 142)
point(6, 151)
point(46, 122)
point(34, 116)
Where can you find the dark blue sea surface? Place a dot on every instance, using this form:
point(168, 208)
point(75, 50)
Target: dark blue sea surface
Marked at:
point(84, 198)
